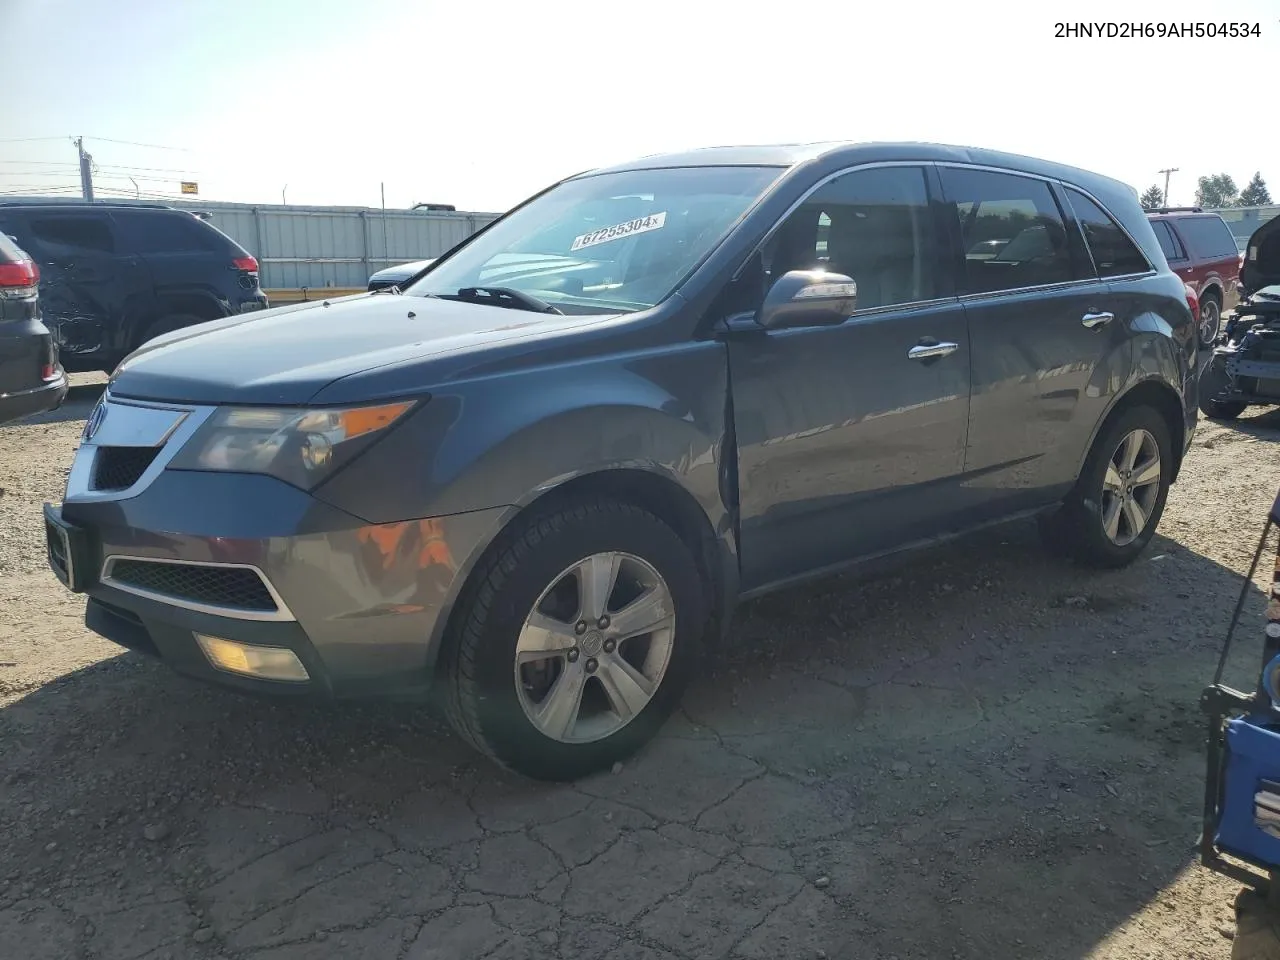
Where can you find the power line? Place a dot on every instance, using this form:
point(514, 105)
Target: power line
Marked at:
point(132, 143)
point(30, 139)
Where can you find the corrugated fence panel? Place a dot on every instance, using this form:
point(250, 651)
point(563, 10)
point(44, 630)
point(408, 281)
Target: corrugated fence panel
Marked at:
point(336, 246)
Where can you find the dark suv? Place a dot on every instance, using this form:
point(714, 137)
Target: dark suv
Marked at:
point(31, 379)
point(1202, 250)
point(114, 275)
point(535, 490)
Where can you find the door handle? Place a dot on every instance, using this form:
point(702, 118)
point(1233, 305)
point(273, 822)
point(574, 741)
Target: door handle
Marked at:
point(1092, 320)
point(927, 351)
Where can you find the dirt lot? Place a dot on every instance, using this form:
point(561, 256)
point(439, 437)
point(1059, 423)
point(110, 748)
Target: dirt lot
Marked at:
point(987, 755)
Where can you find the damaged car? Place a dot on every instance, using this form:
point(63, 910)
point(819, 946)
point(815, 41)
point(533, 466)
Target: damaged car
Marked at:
point(534, 484)
point(114, 275)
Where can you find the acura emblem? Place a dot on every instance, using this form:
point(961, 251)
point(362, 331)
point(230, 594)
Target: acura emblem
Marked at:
point(94, 423)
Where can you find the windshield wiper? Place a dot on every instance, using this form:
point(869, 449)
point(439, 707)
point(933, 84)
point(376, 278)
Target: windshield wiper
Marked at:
point(506, 297)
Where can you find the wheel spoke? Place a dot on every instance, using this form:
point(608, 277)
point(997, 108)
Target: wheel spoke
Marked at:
point(1149, 472)
point(544, 637)
point(627, 689)
point(558, 712)
point(597, 576)
point(1136, 516)
point(1112, 479)
point(648, 612)
point(1132, 447)
point(1111, 517)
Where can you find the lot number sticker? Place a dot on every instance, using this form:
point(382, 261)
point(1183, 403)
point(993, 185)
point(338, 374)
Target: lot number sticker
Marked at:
point(654, 221)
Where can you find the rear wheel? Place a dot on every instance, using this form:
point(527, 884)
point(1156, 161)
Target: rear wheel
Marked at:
point(575, 640)
point(1112, 513)
point(1210, 320)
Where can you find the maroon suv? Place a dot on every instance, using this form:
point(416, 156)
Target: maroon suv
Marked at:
point(1202, 251)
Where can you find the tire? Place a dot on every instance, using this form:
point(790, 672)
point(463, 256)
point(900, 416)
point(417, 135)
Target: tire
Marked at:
point(1079, 527)
point(174, 321)
point(492, 702)
point(1213, 381)
point(1209, 323)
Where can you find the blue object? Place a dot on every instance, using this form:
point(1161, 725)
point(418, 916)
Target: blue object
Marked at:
point(1252, 767)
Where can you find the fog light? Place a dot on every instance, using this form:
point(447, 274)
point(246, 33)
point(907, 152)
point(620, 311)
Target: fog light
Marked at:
point(266, 663)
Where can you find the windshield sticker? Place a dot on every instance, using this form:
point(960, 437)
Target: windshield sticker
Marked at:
point(654, 221)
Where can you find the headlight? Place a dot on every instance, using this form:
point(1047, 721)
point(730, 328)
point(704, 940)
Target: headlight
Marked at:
point(301, 447)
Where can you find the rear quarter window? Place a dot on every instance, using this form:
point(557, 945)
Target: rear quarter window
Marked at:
point(1208, 237)
point(164, 232)
point(1114, 254)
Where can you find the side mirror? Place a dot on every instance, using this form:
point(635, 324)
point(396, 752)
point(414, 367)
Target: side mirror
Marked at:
point(808, 298)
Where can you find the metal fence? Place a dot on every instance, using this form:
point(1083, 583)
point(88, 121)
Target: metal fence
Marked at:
point(335, 247)
point(1243, 221)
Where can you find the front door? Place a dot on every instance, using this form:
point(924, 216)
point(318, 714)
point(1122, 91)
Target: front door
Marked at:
point(851, 437)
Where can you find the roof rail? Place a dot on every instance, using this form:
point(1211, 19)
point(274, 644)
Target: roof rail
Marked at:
point(79, 202)
point(1177, 210)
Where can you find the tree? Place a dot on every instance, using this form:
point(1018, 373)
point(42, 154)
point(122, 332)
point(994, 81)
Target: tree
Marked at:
point(1218, 190)
point(1256, 193)
point(1152, 198)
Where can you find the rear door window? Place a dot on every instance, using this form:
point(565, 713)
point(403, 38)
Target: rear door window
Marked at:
point(1114, 254)
point(1168, 241)
point(71, 236)
point(1208, 237)
point(150, 232)
point(1011, 230)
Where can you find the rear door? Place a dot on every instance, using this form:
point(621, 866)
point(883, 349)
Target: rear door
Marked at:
point(84, 279)
point(191, 265)
point(1038, 324)
point(1213, 249)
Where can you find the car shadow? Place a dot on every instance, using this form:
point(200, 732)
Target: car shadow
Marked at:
point(986, 752)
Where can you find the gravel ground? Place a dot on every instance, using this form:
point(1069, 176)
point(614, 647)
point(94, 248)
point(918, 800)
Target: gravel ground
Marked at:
point(986, 754)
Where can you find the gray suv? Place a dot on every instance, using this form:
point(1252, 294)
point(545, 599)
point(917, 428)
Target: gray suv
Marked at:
point(535, 483)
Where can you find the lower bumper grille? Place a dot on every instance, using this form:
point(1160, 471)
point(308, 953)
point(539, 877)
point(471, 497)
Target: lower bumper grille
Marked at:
point(194, 584)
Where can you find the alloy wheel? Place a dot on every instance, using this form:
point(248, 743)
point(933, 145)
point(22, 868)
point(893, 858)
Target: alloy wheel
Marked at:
point(594, 649)
point(1210, 321)
point(1130, 487)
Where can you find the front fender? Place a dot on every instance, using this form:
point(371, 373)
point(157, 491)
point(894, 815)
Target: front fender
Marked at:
point(504, 440)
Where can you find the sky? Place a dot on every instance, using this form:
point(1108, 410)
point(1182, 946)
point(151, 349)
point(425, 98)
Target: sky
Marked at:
point(480, 104)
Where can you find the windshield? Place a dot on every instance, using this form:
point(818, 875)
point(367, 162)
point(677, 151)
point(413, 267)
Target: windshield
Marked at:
point(612, 243)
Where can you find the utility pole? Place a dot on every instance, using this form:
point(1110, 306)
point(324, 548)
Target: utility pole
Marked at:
point(86, 170)
point(386, 252)
point(1166, 182)
point(284, 195)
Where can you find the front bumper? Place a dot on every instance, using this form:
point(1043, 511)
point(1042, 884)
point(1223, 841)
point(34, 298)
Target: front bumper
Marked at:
point(25, 403)
point(362, 606)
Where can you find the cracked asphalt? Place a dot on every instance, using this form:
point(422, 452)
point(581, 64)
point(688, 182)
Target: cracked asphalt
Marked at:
point(985, 753)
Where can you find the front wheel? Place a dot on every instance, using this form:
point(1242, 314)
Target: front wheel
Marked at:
point(1112, 513)
point(575, 641)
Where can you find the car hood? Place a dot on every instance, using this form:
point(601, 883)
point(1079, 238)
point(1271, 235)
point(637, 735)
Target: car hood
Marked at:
point(289, 354)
